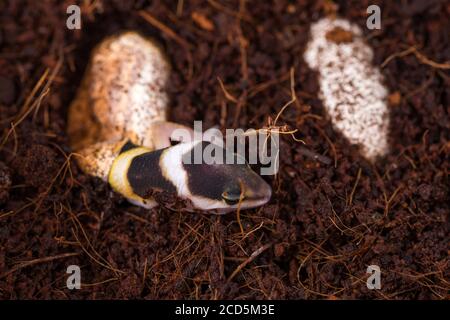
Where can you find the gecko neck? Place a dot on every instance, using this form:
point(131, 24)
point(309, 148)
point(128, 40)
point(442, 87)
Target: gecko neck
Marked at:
point(136, 172)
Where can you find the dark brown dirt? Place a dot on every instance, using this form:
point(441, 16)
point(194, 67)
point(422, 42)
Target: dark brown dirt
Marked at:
point(323, 226)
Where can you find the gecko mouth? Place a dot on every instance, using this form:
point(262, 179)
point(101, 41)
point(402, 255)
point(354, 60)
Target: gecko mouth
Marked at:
point(258, 201)
point(245, 204)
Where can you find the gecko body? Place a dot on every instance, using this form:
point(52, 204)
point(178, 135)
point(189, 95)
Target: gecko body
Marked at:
point(118, 128)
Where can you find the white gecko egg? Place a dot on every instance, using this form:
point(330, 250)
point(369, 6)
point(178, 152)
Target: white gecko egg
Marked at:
point(351, 87)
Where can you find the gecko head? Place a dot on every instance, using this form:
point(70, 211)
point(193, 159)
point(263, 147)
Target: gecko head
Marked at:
point(219, 186)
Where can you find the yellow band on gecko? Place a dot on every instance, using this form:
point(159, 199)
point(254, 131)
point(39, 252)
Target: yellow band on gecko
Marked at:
point(118, 178)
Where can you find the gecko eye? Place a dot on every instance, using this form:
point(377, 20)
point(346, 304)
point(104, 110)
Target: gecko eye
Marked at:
point(173, 142)
point(231, 195)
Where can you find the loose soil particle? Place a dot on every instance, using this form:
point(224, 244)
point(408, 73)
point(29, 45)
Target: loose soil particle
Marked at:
point(5, 182)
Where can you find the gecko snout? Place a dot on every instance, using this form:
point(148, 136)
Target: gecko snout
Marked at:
point(255, 191)
point(245, 188)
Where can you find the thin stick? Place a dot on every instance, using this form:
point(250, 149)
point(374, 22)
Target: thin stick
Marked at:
point(238, 211)
point(421, 57)
point(165, 29)
point(350, 200)
point(228, 95)
point(397, 55)
point(180, 8)
point(171, 34)
point(26, 110)
point(24, 264)
point(220, 7)
point(250, 259)
point(314, 155)
point(293, 97)
point(388, 202)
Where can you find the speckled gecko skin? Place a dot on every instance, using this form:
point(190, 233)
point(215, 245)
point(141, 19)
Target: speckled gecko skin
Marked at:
point(122, 102)
point(125, 76)
point(122, 97)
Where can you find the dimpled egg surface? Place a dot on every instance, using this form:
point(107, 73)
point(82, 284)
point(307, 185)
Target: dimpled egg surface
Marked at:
point(351, 87)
